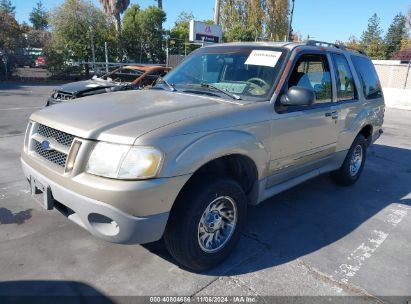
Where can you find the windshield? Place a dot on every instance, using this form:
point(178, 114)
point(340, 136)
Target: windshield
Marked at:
point(247, 72)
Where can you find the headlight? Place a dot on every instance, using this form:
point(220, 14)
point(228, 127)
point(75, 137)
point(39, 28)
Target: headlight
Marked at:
point(55, 94)
point(124, 162)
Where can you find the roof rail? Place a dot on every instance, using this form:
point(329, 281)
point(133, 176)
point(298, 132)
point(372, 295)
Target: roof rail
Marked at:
point(334, 45)
point(356, 50)
point(323, 43)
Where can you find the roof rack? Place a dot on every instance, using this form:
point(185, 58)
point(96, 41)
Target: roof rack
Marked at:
point(356, 50)
point(334, 45)
point(323, 43)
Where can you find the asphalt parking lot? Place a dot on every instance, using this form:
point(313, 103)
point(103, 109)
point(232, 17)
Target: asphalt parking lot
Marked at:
point(317, 239)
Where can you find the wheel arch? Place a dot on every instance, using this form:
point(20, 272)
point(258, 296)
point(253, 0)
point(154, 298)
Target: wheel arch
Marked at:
point(367, 131)
point(221, 144)
point(361, 124)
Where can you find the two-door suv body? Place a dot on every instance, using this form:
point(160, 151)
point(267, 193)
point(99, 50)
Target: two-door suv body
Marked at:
point(231, 126)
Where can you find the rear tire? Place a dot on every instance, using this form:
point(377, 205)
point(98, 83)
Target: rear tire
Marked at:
point(353, 165)
point(206, 222)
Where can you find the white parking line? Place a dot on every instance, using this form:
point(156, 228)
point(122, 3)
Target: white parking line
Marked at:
point(397, 215)
point(359, 255)
point(357, 258)
point(22, 108)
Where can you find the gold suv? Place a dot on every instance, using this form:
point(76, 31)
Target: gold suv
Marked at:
point(231, 126)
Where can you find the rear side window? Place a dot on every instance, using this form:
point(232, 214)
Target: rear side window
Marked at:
point(368, 76)
point(345, 82)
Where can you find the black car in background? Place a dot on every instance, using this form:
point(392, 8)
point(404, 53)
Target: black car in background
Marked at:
point(125, 78)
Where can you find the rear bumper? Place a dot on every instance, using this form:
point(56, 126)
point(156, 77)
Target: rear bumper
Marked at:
point(100, 219)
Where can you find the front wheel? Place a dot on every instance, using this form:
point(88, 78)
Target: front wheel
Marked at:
point(206, 223)
point(353, 165)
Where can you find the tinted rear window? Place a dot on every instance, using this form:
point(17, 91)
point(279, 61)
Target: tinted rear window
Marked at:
point(369, 80)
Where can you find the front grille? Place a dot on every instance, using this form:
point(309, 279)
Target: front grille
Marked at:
point(62, 96)
point(59, 136)
point(55, 154)
point(51, 155)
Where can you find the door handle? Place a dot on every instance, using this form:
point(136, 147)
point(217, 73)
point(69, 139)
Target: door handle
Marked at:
point(333, 114)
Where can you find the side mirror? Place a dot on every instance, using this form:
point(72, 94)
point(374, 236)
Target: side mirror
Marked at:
point(298, 96)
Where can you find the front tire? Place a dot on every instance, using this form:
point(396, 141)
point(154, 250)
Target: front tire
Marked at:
point(353, 165)
point(206, 223)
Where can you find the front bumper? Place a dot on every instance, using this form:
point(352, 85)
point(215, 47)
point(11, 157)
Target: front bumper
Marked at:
point(101, 219)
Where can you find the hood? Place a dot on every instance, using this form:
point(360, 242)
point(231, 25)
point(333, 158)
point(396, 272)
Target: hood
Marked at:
point(85, 85)
point(123, 116)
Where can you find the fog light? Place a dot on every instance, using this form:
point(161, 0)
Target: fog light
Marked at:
point(103, 224)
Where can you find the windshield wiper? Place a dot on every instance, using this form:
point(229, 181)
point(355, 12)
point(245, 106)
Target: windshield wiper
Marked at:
point(170, 86)
point(210, 86)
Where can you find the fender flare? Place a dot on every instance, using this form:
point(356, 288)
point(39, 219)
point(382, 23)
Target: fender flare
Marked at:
point(347, 137)
point(215, 145)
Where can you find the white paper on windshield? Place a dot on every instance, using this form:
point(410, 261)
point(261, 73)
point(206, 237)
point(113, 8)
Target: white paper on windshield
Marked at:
point(262, 57)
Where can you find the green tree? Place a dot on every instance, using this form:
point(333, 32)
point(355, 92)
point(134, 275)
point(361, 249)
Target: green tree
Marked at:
point(409, 18)
point(38, 38)
point(142, 34)
point(239, 32)
point(115, 8)
point(405, 43)
point(179, 35)
point(396, 32)
point(255, 19)
point(11, 37)
point(276, 19)
point(234, 16)
point(131, 32)
point(241, 20)
point(39, 17)
point(72, 39)
point(353, 43)
point(25, 27)
point(7, 7)
point(406, 40)
point(371, 40)
point(181, 28)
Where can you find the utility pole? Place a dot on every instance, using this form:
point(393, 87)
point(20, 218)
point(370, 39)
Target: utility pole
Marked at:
point(106, 53)
point(291, 21)
point(93, 53)
point(217, 12)
point(408, 73)
point(167, 51)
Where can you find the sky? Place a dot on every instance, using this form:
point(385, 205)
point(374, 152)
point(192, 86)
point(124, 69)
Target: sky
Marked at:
point(326, 20)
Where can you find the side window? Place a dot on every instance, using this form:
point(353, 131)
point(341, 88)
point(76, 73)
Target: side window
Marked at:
point(312, 71)
point(368, 76)
point(345, 82)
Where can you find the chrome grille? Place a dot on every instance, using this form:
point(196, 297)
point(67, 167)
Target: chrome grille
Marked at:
point(61, 137)
point(62, 96)
point(57, 149)
point(51, 155)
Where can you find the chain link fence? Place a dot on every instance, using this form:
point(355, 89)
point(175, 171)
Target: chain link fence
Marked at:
point(394, 74)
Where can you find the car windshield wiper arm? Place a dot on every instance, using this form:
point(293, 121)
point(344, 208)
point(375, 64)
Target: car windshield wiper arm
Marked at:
point(232, 95)
point(170, 86)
